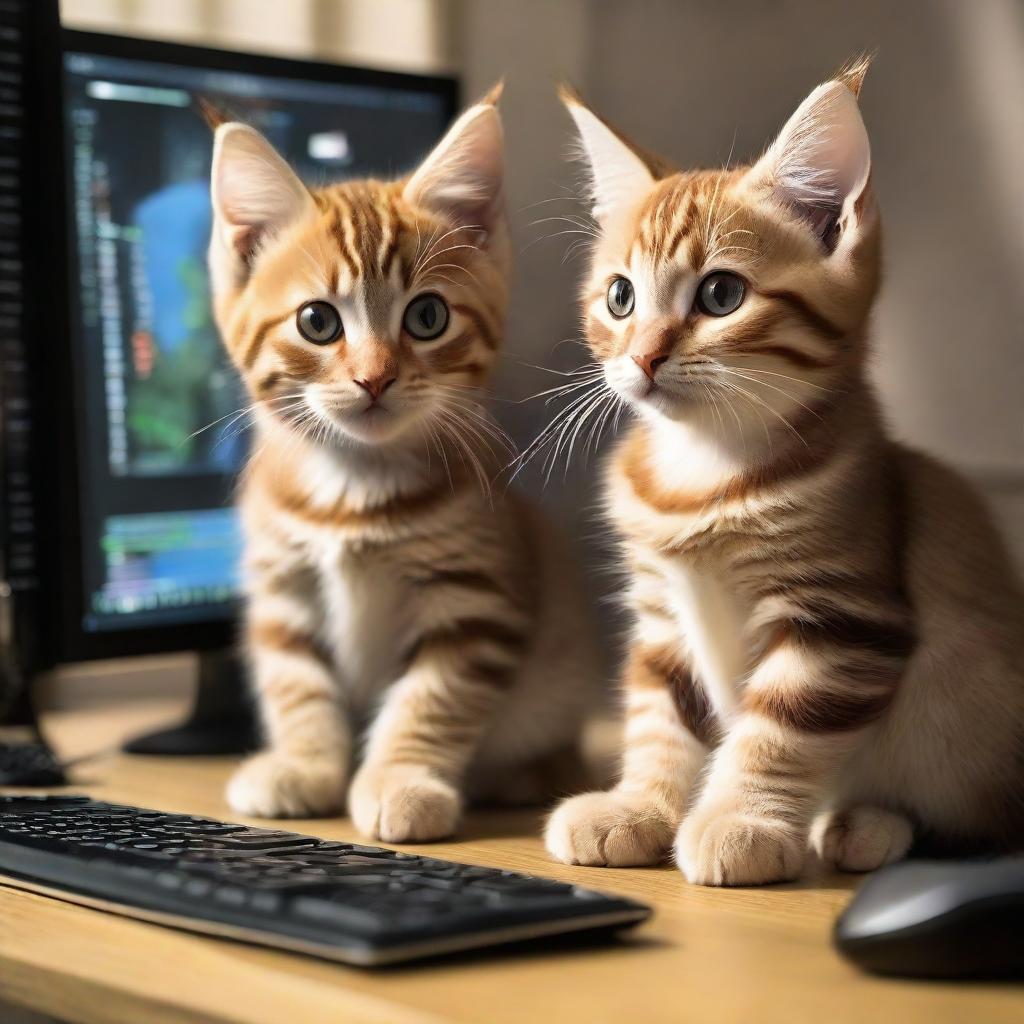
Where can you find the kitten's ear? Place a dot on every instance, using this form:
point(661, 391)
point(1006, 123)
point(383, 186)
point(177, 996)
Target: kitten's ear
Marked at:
point(820, 162)
point(254, 192)
point(464, 175)
point(619, 174)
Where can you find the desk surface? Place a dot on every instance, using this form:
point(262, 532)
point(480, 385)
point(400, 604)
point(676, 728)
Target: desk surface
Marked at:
point(707, 955)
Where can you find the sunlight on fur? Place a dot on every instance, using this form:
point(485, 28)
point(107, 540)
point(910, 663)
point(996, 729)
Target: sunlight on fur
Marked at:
point(826, 635)
point(391, 591)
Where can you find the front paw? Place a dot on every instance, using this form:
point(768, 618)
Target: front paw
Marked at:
point(276, 785)
point(722, 846)
point(861, 838)
point(403, 805)
point(608, 830)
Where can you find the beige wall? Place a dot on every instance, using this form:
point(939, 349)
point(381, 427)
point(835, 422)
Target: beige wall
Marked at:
point(944, 111)
point(408, 35)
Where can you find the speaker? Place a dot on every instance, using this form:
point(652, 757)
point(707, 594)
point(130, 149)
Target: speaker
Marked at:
point(30, 148)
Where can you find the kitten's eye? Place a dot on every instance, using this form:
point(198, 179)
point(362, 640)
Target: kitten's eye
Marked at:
point(720, 293)
point(426, 317)
point(319, 322)
point(620, 298)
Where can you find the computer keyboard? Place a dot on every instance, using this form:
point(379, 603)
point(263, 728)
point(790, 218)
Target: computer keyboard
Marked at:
point(362, 905)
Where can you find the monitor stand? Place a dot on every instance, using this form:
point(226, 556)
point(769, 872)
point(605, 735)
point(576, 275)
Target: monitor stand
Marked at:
point(221, 720)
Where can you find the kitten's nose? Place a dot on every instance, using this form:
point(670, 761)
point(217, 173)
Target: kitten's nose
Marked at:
point(376, 386)
point(649, 362)
point(652, 347)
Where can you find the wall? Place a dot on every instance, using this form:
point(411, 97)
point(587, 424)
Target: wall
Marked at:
point(943, 107)
point(408, 35)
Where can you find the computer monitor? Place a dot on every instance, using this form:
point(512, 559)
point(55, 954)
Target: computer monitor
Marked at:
point(155, 433)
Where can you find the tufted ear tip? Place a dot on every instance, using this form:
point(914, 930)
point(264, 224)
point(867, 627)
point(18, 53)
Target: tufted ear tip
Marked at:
point(854, 71)
point(569, 95)
point(620, 172)
point(213, 115)
point(493, 95)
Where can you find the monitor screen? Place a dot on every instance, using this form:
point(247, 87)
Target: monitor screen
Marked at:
point(160, 432)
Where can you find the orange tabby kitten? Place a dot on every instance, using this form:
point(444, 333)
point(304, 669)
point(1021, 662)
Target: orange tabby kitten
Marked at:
point(827, 641)
point(385, 586)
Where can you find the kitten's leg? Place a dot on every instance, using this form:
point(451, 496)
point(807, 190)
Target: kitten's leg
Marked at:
point(425, 734)
point(634, 822)
point(305, 768)
point(806, 707)
point(861, 838)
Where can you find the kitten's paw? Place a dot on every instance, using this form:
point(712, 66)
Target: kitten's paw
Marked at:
point(721, 846)
point(274, 785)
point(861, 838)
point(608, 830)
point(403, 805)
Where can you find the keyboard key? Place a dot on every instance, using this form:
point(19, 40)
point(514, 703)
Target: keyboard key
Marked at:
point(262, 839)
point(198, 887)
point(230, 896)
point(266, 902)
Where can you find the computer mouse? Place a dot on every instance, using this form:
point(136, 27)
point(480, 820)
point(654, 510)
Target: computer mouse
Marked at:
point(29, 764)
point(938, 919)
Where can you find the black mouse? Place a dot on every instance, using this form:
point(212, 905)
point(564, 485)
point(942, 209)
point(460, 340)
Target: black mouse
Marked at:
point(29, 764)
point(938, 919)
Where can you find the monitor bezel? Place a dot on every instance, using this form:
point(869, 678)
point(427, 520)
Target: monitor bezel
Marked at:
point(63, 575)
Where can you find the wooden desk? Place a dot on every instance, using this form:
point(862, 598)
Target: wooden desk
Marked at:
point(708, 955)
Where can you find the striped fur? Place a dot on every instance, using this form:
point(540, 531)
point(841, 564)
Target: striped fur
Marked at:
point(388, 590)
point(826, 631)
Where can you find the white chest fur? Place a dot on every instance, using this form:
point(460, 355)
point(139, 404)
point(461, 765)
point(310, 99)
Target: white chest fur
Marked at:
point(363, 621)
point(712, 619)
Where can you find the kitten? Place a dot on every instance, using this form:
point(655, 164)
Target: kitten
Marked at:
point(385, 585)
point(827, 643)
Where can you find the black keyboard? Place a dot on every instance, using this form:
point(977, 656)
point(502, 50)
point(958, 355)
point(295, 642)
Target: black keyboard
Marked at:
point(359, 904)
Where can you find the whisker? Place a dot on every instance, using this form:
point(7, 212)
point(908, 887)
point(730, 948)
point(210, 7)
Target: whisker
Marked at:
point(774, 412)
point(545, 238)
point(561, 373)
point(567, 440)
point(550, 431)
point(781, 391)
point(431, 252)
point(543, 202)
point(565, 389)
point(482, 423)
point(733, 389)
point(575, 221)
point(433, 275)
point(237, 413)
point(774, 373)
point(453, 266)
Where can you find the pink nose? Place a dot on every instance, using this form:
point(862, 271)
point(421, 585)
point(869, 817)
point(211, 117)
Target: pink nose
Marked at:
point(649, 362)
point(376, 386)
